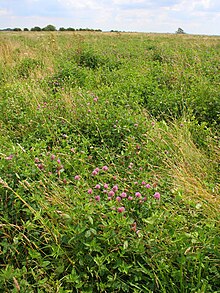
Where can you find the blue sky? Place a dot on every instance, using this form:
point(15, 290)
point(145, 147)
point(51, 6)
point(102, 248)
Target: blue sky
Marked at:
point(194, 16)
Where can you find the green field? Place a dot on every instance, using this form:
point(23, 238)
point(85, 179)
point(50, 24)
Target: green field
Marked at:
point(109, 162)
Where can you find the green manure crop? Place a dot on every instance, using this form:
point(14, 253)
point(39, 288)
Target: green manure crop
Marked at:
point(109, 162)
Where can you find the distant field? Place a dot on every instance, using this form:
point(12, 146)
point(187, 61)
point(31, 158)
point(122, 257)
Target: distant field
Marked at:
point(109, 162)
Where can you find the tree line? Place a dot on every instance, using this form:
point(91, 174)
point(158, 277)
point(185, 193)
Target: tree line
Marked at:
point(50, 28)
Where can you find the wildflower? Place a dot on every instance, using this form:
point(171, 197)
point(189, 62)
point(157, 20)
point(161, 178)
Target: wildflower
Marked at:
point(118, 198)
point(130, 197)
point(144, 198)
point(97, 198)
point(111, 193)
point(36, 160)
point(136, 125)
point(143, 183)
point(97, 170)
point(135, 182)
point(64, 181)
point(52, 157)
point(148, 186)
point(94, 172)
point(106, 186)
point(58, 161)
point(97, 186)
point(77, 177)
point(90, 191)
point(157, 195)
point(123, 194)
point(40, 166)
point(115, 188)
point(137, 194)
point(121, 209)
point(105, 168)
point(72, 150)
point(95, 99)
point(10, 157)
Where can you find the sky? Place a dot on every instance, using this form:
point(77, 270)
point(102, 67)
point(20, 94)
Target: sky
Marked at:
point(162, 16)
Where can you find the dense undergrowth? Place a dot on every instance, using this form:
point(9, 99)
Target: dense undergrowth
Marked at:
point(109, 163)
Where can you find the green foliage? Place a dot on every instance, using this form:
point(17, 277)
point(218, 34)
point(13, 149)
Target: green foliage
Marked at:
point(84, 115)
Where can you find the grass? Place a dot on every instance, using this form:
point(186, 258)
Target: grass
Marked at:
point(109, 169)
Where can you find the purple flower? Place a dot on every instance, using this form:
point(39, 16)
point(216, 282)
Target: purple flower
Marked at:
point(106, 186)
point(130, 197)
point(121, 209)
point(115, 188)
point(10, 157)
point(157, 195)
point(118, 198)
point(52, 157)
point(148, 186)
point(90, 191)
point(123, 194)
point(36, 160)
point(40, 166)
point(143, 183)
point(137, 194)
point(97, 198)
point(97, 186)
point(105, 168)
point(97, 170)
point(111, 193)
point(77, 177)
point(94, 172)
point(58, 161)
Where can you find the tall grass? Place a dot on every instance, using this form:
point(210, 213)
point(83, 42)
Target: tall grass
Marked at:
point(109, 169)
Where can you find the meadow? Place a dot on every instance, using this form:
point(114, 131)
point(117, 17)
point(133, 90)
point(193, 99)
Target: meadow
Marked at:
point(109, 162)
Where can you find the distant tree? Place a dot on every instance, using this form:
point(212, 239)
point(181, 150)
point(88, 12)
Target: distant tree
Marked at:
point(17, 29)
point(70, 29)
point(49, 28)
point(36, 29)
point(26, 29)
point(180, 31)
point(62, 29)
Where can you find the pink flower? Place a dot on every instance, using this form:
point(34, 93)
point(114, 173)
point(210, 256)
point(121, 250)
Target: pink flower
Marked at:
point(106, 186)
point(135, 182)
point(118, 198)
point(123, 194)
point(10, 157)
point(157, 195)
point(148, 186)
point(72, 150)
point(40, 166)
point(115, 188)
point(109, 198)
point(52, 157)
point(97, 170)
point(111, 193)
point(143, 183)
point(144, 198)
point(121, 209)
point(58, 161)
point(97, 186)
point(137, 194)
point(97, 198)
point(90, 191)
point(136, 125)
point(94, 172)
point(95, 99)
point(105, 168)
point(130, 197)
point(77, 177)
point(36, 160)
